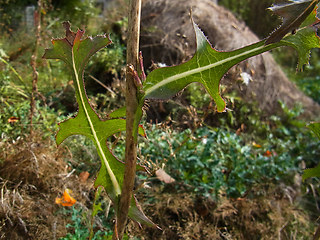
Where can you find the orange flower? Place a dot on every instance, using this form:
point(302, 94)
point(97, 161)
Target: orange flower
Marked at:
point(13, 119)
point(256, 145)
point(267, 154)
point(66, 200)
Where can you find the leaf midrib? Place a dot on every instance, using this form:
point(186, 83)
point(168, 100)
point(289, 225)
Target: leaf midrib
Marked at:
point(82, 100)
point(201, 69)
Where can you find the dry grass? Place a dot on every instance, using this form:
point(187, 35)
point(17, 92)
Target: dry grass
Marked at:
point(32, 176)
point(186, 216)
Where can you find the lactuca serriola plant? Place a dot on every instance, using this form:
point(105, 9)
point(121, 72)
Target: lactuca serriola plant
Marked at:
point(207, 67)
point(76, 51)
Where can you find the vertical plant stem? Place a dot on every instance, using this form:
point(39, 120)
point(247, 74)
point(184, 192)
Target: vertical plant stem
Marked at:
point(132, 107)
point(317, 234)
point(33, 63)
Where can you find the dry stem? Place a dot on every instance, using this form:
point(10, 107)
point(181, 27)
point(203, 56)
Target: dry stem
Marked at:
point(131, 116)
point(33, 63)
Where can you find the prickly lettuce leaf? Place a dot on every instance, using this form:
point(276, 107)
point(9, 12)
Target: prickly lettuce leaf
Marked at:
point(208, 65)
point(75, 52)
point(294, 13)
point(315, 127)
point(313, 172)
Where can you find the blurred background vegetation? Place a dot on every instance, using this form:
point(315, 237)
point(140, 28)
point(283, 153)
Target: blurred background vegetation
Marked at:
point(241, 151)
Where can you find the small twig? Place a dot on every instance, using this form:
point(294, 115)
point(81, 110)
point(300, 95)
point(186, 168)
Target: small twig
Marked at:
point(36, 162)
point(33, 63)
point(315, 196)
point(16, 73)
point(70, 173)
point(280, 230)
point(23, 224)
point(66, 175)
point(54, 230)
point(143, 74)
point(2, 190)
point(102, 84)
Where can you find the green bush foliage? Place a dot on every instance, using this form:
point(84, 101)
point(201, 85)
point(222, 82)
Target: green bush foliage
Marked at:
point(217, 160)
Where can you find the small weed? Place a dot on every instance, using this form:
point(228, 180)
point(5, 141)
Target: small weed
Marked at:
point(79, 226)
point(212, 160)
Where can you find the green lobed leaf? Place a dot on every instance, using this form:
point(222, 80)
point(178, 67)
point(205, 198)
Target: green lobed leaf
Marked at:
point(118, 113)
point(294, 14)
point(96, 206)
point(75, 52)
point(208, 65)
point(121, 113)
point(315, 127)
point(311, 172)
point(303, 41)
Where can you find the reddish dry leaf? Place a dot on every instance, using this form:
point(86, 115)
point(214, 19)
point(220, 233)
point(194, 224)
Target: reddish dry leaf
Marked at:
point(164, 177)
point(83, 176)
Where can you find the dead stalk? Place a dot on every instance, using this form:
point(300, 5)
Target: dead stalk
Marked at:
point(33, 63)
point(131, 117)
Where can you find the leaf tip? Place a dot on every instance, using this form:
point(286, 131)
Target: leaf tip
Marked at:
point(70, 35)
point(222, 108)
point(201, 39)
